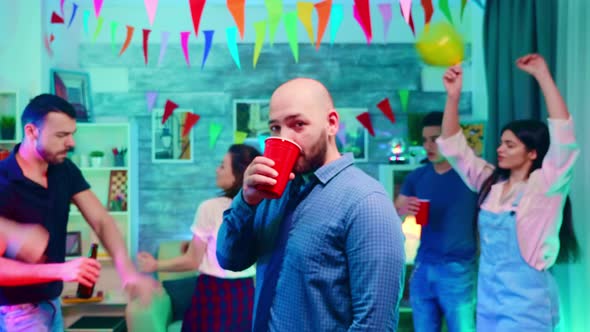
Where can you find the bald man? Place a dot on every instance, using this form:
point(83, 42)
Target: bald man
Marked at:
point(329, 252)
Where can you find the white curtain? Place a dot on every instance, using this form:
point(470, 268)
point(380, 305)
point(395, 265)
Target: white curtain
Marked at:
point(573, 78)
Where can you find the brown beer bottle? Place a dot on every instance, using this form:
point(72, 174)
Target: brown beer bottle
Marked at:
point(85, 292)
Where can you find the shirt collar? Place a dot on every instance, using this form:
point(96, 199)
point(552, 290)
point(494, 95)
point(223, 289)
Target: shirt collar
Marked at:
point(325, 173)
point(14, 172)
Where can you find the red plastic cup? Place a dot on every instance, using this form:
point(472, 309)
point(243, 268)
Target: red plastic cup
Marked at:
point(284, 153)
point(422, 215)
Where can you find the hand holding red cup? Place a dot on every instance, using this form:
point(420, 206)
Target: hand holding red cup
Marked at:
point(284, 153)
point(423, 211)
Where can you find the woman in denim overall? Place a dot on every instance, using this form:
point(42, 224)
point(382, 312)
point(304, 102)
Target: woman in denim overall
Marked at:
point(523, 204)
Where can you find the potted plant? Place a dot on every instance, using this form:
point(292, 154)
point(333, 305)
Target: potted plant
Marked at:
point(7, 127)
point(96, 158)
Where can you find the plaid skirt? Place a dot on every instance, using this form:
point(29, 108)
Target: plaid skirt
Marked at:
point(220, 305)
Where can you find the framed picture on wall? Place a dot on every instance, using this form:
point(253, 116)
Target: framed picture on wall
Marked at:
point(168, 144)
point(251, 121)
point(73, 244)
point(352, 136)
point(74, 87)
point(474, 132)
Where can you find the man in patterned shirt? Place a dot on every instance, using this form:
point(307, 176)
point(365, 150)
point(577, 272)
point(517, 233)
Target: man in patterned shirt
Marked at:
point(329, 252)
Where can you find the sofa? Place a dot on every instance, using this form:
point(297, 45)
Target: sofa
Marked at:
point(165, 312)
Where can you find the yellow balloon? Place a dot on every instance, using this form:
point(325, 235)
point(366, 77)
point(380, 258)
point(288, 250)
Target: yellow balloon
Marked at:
point(440, 45)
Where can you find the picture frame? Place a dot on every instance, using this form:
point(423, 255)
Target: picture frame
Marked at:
point(73, 244)
point(474, 132)
point(251, 121)
point(73, 86)
point(168, 144)
point(352, 136)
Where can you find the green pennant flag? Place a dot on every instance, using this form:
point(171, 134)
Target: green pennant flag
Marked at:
point(403, 98)
point(214, 132)
point(291, 27)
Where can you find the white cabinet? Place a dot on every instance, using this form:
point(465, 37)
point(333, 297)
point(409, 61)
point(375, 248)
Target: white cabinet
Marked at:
point(110, 178)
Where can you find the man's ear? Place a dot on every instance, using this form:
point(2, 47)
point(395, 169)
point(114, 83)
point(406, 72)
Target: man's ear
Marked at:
point(333, 122)
point(31, 131)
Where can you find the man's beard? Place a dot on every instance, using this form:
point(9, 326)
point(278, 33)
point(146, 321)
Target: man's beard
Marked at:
point(313, 158)
point(49, 158)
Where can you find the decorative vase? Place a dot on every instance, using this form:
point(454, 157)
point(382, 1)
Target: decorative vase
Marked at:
point(96, 162)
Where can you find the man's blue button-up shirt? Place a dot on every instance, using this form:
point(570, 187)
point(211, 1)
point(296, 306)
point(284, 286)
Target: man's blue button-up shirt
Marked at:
point(344, 260)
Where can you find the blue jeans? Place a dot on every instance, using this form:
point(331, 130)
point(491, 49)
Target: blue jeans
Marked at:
point(443, 289)
point(39, 317)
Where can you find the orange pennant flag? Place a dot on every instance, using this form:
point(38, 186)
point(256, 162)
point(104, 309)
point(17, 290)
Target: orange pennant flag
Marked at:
point(189, 122)
point(365, 119)
point(304, 12)
point(236, 8)
point(323, 8)
point(130, 30)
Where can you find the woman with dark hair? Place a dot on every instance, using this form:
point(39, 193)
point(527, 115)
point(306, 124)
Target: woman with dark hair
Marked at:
point(524, 209)
point(229, 307)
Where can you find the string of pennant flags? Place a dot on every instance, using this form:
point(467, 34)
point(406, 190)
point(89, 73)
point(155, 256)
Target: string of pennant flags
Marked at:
point(215, 129)
point(328, 13)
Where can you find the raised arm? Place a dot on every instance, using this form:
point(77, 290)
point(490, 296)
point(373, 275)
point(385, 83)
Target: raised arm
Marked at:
point(563, 148)
point(453, 81)
point(376, 261)
point(452, 144)
point(535, 65)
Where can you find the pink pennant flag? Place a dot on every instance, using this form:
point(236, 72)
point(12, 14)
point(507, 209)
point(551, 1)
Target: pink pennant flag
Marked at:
point(97, 7)
point(146, 37)
point(406, 6)
point(184, 42)
point(168, 109)
point(150, 7)
point(163, 46)
point(364, 13)
point(385, 9)
point(61, 7)
point(385, 107)
point(365, 119)
point(357, 17)
point(341, 134)
point(150, 98)
point(189, 122)
point(56, 19)
point(410, 21)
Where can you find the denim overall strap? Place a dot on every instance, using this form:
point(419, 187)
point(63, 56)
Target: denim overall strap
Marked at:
point(512, 295)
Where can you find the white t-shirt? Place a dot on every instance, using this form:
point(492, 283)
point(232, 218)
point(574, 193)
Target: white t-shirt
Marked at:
point(208, 219)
